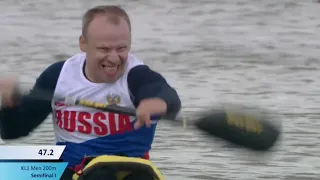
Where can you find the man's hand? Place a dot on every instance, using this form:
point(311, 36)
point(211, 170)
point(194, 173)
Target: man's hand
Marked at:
point(148, 108)
point(7, 87)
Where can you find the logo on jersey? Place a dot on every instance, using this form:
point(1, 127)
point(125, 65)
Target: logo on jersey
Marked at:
point(113, 99)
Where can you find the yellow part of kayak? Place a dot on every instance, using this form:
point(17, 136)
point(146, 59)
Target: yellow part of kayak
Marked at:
point(123, 165)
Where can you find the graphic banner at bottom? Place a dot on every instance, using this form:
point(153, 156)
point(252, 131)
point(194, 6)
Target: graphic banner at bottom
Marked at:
point(32, 170)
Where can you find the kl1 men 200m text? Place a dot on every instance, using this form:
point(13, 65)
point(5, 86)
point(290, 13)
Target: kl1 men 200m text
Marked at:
point(42, 174)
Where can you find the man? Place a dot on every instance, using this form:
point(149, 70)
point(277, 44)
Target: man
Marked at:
point(106, 71)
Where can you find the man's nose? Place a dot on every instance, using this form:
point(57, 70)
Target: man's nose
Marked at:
point(113, 57)
point(113, 54)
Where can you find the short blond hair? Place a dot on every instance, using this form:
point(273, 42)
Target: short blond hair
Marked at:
point(114, 13)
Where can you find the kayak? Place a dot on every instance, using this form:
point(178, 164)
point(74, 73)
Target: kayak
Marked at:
point(123, 166)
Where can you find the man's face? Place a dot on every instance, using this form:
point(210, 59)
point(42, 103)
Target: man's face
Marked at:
point(107, 46)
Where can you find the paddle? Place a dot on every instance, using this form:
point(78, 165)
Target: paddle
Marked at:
point(237, 126)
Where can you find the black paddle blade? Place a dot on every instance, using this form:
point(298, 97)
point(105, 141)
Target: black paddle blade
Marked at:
point(241, 128)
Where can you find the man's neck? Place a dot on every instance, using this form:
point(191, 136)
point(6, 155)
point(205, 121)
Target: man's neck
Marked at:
point(86, 73)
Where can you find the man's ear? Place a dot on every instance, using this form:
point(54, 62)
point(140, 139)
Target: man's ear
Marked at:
point(83, 43)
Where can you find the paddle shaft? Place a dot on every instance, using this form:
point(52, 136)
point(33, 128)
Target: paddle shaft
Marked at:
point(237, 127)
point(43, 95)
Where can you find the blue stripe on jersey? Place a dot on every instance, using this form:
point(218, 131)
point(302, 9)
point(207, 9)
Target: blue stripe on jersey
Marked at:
point(132, 144)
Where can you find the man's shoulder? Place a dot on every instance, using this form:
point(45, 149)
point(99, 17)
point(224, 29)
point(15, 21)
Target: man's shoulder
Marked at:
point(50, 75)
point(54, 68)
point(57, 66)
point(133, 61)
point(143, 73)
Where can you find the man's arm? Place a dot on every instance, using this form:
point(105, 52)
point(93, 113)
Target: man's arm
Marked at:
point(145, 83)
point(21, 120)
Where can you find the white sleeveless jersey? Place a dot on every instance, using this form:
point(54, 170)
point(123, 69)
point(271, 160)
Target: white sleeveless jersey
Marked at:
point(79, 124)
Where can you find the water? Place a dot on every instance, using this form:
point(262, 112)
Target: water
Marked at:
point(246, 51)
